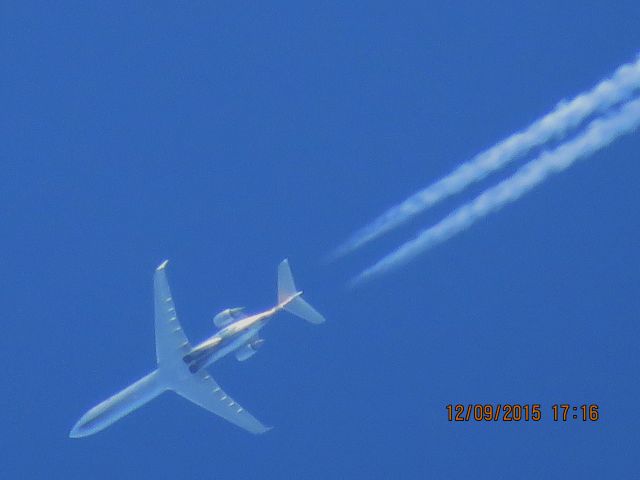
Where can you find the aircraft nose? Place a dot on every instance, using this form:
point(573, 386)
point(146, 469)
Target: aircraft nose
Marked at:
point(79, 429)
point(75, 432)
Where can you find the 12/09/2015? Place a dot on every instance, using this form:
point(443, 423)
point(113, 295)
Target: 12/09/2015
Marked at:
point(516, 412)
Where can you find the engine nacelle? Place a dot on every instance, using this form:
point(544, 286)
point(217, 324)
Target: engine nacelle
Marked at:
point(249, 349)
point(230, 315)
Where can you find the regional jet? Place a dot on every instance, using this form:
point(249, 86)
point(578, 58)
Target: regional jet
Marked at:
point(182, 368)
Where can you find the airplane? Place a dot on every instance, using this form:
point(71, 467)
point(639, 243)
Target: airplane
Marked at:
point(182, 369)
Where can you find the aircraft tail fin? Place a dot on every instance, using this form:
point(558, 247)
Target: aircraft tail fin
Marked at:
point(291, 299)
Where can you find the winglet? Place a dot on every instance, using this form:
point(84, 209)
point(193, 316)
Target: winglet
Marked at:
point(162, 265)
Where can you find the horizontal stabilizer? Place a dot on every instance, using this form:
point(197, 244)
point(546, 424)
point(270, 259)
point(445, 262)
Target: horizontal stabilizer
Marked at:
point(290, 298)
point(286, 286)
point(302, 309)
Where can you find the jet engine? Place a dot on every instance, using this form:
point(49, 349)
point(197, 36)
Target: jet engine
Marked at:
point(230, 315)
point(248, 349)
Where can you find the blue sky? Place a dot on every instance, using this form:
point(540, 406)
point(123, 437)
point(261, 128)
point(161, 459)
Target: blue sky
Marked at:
point(228, 136)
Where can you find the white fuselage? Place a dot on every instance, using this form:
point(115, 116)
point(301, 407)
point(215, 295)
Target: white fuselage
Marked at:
point(233, 336)
point(225, 341)
point(179, 365)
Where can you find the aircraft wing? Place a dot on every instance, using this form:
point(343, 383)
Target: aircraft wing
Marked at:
point(171, 342)
point(204, 391)
point(172, 345)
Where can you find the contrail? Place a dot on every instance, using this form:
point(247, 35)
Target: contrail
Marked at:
point(565, 116)
point(598, 134)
